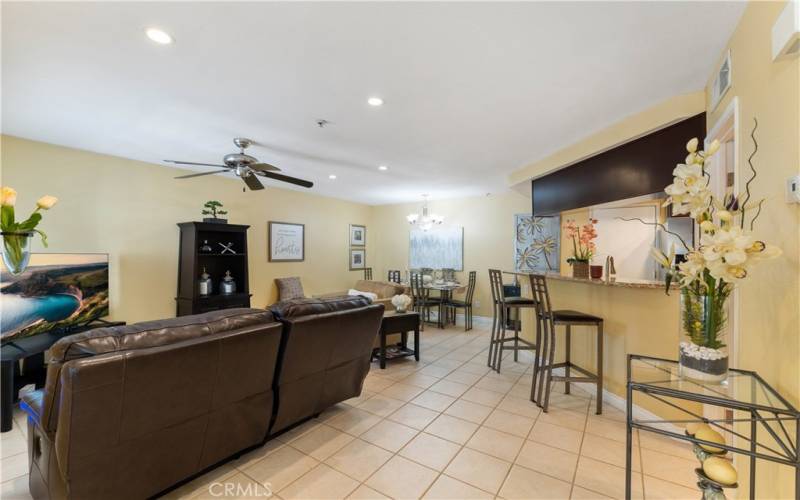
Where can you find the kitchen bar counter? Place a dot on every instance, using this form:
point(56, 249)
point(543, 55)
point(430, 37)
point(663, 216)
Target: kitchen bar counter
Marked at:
point(638, 317)
point(626, 283)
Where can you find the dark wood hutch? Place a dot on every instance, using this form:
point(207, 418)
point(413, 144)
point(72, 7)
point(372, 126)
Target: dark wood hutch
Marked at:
point(192, 261)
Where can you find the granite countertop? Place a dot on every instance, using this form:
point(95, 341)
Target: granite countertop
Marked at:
point(625, 283)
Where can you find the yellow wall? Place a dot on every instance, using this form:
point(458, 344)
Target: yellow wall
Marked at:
point(769, 329)
point(488, 223)
point(637, 125)
point(129, 209)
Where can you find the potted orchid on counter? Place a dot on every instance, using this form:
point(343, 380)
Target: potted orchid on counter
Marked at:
point(17, 235)
point(726, 253)
point(583, 246)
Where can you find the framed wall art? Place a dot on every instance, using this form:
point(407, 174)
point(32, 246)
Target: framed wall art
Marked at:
point(438, 248)
point(358, 235)
point(537, 243)
point(286, 242)
point(358, 259)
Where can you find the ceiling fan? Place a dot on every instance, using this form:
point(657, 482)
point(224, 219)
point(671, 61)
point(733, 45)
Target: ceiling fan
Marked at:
point(246, 167)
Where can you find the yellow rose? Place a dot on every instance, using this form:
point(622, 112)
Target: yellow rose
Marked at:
point(8, 196)
point(46, 202)
point(724, 215)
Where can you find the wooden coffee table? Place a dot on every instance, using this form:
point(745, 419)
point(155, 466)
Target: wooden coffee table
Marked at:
point(402, 323)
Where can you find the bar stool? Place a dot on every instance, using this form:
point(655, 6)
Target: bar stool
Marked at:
point(547, 320)
point(504, 306)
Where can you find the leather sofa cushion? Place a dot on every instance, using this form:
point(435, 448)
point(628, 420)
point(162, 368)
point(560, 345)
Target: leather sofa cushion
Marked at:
point(296, 308)
point(383, 290)
point(156, 333)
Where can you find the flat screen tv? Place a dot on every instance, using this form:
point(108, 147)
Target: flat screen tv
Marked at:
point(56, 293)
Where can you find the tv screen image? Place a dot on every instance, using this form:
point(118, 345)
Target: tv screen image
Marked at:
point(56, 292)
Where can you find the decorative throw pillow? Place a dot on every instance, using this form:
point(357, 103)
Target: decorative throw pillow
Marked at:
point(371, 296)
point(289, 288)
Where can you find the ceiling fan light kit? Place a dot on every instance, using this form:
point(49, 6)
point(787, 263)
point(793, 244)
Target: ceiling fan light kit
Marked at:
point(245, 167)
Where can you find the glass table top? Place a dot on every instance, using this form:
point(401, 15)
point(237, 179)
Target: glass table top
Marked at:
point(741, 387)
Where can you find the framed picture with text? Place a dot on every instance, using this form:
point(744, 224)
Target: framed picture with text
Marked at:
point(358, 235)
point(286, 242)
point(358, 259)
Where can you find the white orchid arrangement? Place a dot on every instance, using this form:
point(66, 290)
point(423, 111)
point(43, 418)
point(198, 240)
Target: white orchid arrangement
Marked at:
point(727, 250)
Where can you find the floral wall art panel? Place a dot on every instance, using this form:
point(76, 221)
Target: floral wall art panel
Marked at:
point(537, 243)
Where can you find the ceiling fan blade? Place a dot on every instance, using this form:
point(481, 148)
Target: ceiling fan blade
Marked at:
point(193, 163)
point(202, 173)
point(252, 182)
point(264, 167)
point(286, 178)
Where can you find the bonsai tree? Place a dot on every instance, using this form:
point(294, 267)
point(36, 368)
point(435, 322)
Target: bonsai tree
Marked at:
point(212, 208)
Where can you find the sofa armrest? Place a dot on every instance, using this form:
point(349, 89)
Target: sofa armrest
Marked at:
point(33, 404)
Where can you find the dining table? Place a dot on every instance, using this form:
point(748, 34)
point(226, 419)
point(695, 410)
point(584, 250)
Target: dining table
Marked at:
point(446, 290)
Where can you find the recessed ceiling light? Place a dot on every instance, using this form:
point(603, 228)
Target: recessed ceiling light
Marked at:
point(158, 36)
point(383, 167)
point(375, 101)
point(331, 176)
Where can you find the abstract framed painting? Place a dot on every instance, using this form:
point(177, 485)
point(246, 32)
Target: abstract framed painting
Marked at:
point(438, 248)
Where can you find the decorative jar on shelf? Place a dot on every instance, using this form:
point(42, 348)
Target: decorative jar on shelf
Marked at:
point(16, 251)
point(204, 284)
point(704, 320)
point(228, 285)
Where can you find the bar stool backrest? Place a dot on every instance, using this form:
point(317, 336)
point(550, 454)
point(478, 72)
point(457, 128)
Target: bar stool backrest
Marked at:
point(542, 298)
point(470, 288)
point(368, 273)
point(394, 276)
point(496, 282)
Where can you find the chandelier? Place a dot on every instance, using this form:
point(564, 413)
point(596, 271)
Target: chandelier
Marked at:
point(426, 220)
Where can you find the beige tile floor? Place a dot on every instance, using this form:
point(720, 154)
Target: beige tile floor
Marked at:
point(445, 427)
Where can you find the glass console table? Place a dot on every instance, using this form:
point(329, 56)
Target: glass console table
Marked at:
point(765, 426)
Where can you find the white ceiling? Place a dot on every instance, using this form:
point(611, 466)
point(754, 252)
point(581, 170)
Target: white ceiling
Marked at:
point(472, 91)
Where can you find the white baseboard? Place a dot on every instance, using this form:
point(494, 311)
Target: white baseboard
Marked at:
point(639, 413)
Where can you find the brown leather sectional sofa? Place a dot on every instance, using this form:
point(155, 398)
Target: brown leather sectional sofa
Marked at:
point(128, 412)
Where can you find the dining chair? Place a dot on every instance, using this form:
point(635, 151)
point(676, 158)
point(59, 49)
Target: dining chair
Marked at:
point(421, 301)
point(368, 273)
point(505, 307)
point(394, 276)
point(465, 304)
point(448, 274)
